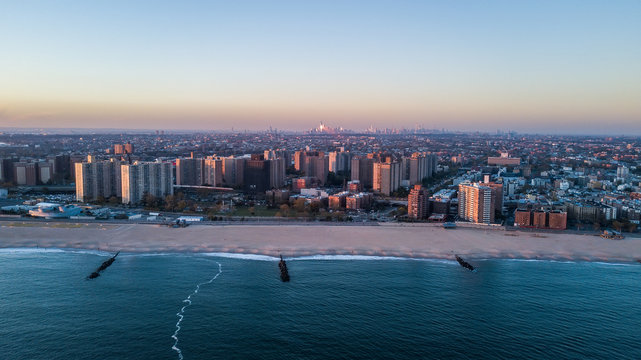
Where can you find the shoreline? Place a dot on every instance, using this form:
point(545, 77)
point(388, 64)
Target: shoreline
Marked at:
point(295, 241)
point(316, 257)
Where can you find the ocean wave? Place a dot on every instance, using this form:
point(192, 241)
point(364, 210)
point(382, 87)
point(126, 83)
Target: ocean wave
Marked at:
point(240, 256)
point(320, 257)
point(29, 250)
point(369, 258)
point(152, 254)
point(317, 257)
point(604, 263)
point(530, 260)
point(613, 263)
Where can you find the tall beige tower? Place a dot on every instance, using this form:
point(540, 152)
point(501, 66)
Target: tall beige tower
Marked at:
point(476, 203)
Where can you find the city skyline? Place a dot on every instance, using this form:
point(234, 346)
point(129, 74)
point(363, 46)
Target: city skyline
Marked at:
point(532, 67)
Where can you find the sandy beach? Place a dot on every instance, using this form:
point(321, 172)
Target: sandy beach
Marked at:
point(305, 240)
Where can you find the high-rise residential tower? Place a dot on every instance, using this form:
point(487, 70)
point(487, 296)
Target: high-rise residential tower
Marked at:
point(476, 203)
point(141, 178)
point(386, 177)
point(417, 203)
point(98, 179)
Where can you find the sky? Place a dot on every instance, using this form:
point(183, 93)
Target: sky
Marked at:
point(530, 66)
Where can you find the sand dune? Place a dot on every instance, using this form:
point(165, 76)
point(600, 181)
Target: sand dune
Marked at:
point(302, 240)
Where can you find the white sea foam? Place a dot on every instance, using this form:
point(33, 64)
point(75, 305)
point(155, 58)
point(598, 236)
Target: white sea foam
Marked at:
point(566, 261)
point(28, 250)
point(614, 264)
point(532, 260)
point(151, 254)
point(89, 252)
point(349, 257)
point(181, 313)
point(258, 257)
point(242, 256)
point(370, 258)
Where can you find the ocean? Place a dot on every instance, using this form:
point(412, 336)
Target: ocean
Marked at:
point(215, 306)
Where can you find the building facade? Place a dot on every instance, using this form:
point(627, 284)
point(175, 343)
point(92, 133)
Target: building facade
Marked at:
point(417, 203)
point(386, 177)
point(141, 178)
point(362, 170)
point(99, 179)
point(190, 171)
point(476, 203)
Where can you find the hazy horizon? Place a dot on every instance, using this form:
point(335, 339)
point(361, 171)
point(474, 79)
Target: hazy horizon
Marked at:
point(571, 67)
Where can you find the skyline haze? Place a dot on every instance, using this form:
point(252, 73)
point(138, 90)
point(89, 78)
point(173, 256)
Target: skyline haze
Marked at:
point(536, 67)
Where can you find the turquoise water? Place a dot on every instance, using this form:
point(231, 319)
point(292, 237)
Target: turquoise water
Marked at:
point(332, 309)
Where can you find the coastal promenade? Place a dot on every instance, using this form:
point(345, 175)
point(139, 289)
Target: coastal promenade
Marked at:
point(307, 239)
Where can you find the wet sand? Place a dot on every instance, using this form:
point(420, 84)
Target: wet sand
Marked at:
point(304, 240)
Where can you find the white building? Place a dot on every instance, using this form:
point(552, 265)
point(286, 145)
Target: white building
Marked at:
point(623, 172)
point(55, 211)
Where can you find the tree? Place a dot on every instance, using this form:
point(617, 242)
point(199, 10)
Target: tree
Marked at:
point(149, 201)
point(314, 207)
point(338, 215)
point(182, 204)
point(284, 210)
point(113, 201)
point(299, 205)
point(170, 202)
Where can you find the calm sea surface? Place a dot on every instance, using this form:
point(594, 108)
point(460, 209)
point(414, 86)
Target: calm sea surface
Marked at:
point(332, 308)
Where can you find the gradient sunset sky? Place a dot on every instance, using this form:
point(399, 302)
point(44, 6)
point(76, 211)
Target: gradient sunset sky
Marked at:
point(532, 66)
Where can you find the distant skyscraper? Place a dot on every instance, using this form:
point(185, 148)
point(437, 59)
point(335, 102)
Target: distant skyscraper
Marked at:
point(138, 179)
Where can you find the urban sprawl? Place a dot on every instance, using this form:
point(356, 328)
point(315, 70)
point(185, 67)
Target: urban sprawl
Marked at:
point(550, 182)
